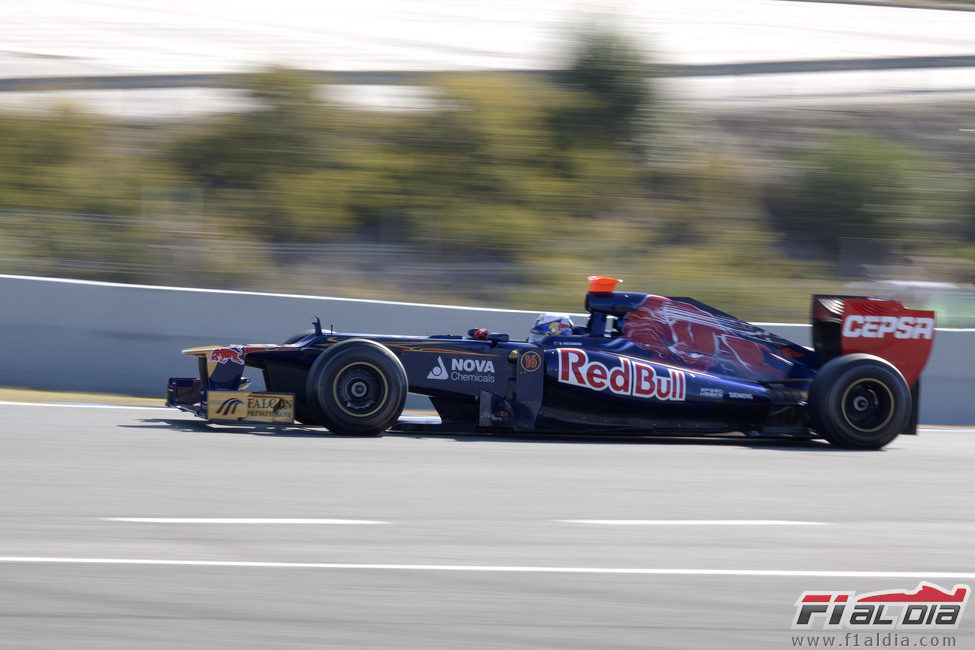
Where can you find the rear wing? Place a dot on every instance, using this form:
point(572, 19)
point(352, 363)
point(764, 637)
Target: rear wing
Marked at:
point(877, 326)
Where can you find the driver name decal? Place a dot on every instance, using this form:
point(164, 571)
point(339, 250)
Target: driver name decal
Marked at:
point(631, 378)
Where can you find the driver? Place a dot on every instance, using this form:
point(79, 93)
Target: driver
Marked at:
point(550, 325)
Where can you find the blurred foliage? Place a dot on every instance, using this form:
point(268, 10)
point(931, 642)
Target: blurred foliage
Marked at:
point(864, 187)
point(610, 76)
point(507, 193)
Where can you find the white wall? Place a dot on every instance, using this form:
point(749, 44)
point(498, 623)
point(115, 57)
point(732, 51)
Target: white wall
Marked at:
point(104, 337)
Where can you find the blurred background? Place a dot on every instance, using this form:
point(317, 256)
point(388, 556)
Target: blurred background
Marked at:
point(494, 154)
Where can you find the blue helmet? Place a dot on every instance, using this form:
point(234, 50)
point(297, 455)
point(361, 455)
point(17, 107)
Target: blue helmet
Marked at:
point(550, 325)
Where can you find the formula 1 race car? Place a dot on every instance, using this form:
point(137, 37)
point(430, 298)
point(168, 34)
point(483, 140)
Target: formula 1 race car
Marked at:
point(643, 364)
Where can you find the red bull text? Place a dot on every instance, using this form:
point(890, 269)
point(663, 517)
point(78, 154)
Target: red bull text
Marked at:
point(631, 378)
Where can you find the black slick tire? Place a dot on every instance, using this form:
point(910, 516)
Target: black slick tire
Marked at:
point(356, 388)
point(859, 401)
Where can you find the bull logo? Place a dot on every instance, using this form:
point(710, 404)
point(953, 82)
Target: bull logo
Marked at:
point(224, 355)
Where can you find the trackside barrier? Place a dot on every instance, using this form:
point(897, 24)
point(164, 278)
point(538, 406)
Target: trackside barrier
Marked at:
point(121, 338)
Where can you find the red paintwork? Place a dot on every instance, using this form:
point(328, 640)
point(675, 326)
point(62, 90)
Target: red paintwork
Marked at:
point(693, 338)
point(908, 353)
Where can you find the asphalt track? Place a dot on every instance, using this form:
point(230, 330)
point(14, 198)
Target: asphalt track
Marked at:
point(144, 528)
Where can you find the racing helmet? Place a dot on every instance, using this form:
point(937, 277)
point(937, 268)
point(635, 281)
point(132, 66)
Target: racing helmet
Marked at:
point(550, 325)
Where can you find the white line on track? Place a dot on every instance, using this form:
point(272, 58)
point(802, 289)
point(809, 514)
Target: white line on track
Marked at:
point(240, 520)
point(767, 573)
point(79, 406)
point(693, 522)
point(407, 416)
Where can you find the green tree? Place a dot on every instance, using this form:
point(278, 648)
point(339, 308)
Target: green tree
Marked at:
point(865, 187)
point(614, 78)
point(38, 151)
point(286, 132)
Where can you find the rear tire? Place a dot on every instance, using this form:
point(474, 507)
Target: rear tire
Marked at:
point(356, 388)
point(859, 401)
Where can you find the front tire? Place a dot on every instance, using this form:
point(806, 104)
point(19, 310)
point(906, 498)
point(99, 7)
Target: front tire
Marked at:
point(859, 401)
point(356, 388)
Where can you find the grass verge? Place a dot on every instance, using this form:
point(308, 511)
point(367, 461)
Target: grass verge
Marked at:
point(8, 394)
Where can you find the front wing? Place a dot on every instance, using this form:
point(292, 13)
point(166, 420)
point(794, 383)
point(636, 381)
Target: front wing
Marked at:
point(185, 394)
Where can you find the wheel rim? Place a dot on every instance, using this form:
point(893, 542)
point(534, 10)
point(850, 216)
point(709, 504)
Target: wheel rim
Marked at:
point(868, 405)
point(360, 389)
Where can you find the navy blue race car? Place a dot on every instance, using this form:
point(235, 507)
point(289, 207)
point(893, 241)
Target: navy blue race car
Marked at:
point(642, 364)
